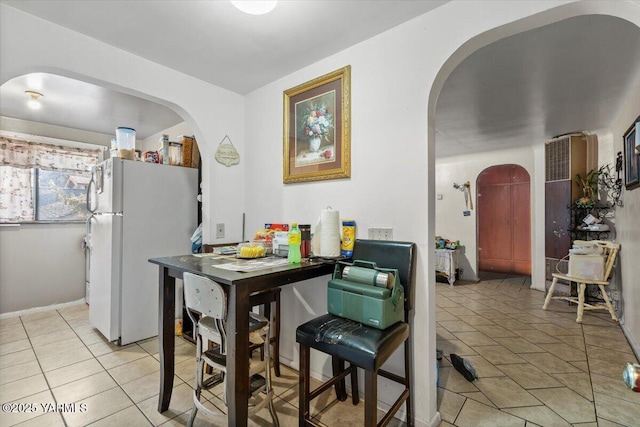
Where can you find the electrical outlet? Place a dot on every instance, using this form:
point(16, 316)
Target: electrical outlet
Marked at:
point(219, 231)
point(381, 233)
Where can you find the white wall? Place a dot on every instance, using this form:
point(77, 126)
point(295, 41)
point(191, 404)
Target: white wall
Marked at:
point(393, 162)
point(212, 114)
point(40, 265)
point(42, 129)
point(152, 143)
point(451, 224)
point(55, 249)
point(628, 225)
point(396, 79)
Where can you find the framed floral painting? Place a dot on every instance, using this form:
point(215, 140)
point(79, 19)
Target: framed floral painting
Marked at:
point(631, 157)
point(317, 129)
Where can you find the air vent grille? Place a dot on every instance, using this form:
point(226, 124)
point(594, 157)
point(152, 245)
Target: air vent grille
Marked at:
point(557, 160)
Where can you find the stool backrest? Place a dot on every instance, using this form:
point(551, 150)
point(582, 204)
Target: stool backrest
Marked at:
point(391, 254)
point(205, 296)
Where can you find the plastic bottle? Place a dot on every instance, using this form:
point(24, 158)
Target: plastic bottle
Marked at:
point(164, 148)
point(295, 238)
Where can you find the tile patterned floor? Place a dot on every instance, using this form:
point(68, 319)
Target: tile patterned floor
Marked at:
point(536, 368)
point(56, 357)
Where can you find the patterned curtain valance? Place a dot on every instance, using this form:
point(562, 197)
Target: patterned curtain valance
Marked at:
point(27, 154)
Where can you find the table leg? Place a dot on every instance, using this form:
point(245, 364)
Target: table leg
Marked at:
point(238, 356)
point(166, 340)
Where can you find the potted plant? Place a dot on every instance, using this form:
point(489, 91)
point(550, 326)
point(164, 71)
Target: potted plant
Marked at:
point(589, 185)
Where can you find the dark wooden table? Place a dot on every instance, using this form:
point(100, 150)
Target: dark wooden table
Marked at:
point(238, 286)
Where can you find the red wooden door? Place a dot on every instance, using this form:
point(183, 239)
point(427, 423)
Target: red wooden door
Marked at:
point(504, 220)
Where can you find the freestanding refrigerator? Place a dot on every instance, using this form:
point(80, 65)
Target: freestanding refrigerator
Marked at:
point(139, 211)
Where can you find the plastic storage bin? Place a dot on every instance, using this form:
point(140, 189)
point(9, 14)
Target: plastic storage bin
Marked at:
point(126, 143)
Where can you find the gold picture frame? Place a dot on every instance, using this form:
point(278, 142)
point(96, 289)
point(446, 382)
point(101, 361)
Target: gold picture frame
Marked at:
point(317, 129)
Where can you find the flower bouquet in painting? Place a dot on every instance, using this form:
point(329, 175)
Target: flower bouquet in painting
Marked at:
point(316, 125)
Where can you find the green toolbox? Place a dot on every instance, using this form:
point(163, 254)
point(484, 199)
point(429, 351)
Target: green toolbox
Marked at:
point(365, 293)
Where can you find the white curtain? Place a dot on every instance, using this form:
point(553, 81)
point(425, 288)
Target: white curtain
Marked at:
point(16, 194)
point(27, 154)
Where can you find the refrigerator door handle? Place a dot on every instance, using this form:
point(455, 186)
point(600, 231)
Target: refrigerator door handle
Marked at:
point(90, 186)
point(99, 178)
point(86, 242)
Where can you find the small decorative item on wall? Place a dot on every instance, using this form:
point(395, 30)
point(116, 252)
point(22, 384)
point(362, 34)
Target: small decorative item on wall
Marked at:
point(317, 129)
point(468, 200)
point(631, 157)
point(226, 153)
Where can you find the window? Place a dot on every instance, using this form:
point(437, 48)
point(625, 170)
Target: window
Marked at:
point(43, 182)
point(61, 195)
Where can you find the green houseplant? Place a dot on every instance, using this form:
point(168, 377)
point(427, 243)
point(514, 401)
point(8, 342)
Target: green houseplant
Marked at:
point(589, 185)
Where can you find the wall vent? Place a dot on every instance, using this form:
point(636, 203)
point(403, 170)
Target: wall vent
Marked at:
point(557, 160)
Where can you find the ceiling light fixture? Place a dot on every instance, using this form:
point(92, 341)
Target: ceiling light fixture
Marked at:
point(255, 7)
point(34, 103)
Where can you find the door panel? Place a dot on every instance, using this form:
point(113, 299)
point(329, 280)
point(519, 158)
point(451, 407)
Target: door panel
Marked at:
point(504, 220)
point(495, 223)
point(521, 227)
point(104, 275)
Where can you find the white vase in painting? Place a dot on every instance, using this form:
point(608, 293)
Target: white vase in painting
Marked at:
point(314, 143)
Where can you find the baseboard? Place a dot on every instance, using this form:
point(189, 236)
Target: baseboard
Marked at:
point(40, 309)
point(632, 341)
point(436, 420)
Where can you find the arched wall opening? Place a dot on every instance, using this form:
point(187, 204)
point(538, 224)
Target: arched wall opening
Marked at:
point(534, 163)
point(624, 10)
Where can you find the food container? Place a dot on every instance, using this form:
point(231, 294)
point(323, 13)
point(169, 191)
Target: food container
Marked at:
point(251, 250)
point(126, 143)
point(151, 157)
point(266, 243)
point(280, 243)
point(175, 154)
point(188, 145)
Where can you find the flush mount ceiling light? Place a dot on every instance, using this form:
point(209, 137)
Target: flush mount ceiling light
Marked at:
point(33, 102)
point(255, 7)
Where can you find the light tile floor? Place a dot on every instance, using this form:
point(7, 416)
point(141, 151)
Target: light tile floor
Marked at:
point(536, 368)
point(55, 358)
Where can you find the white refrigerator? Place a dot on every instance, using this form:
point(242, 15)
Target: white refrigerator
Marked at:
point(139, 211)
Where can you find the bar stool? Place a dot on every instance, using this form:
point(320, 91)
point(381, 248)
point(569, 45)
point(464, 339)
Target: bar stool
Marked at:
point(208, 297)
point(360, 345)
point(265, 298)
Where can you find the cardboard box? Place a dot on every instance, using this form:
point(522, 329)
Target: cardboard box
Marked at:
point(590, 267)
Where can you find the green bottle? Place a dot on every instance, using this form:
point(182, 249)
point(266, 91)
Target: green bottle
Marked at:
point(295, 238)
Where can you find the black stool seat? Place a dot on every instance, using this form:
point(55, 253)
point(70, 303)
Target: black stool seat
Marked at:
point(360, 345)
point(363, 346)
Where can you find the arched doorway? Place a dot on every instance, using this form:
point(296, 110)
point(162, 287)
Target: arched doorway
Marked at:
point(504, 220)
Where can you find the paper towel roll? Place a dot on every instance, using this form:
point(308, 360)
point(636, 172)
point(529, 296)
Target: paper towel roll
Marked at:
point(330, 233)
